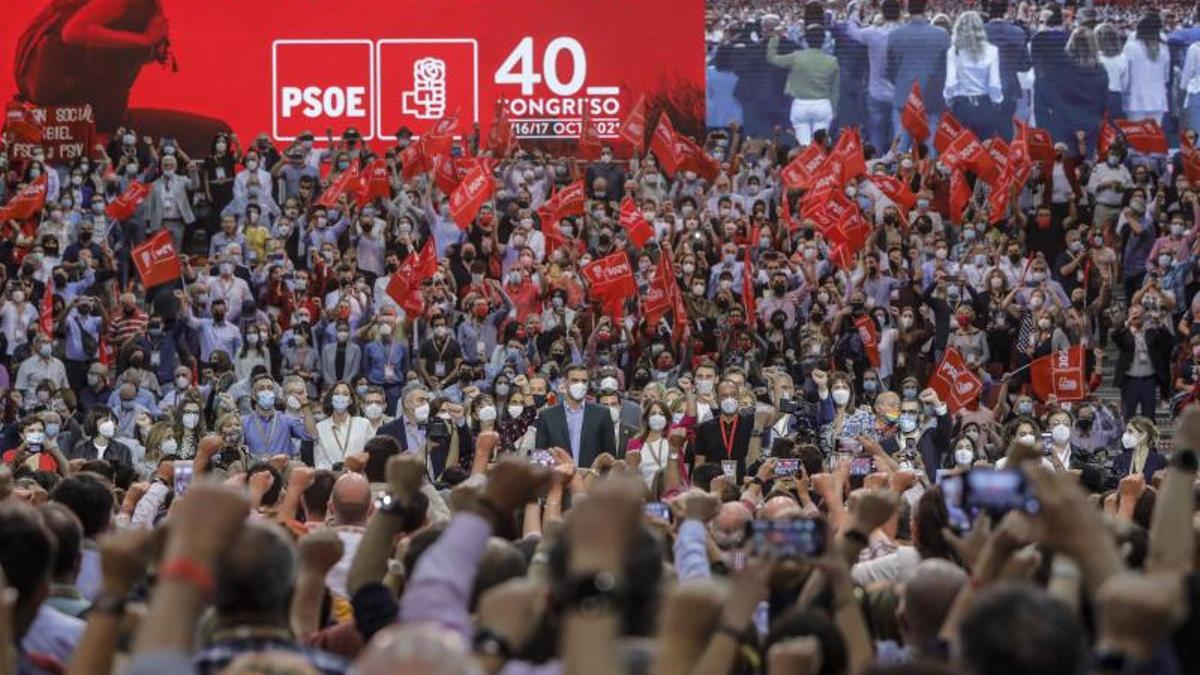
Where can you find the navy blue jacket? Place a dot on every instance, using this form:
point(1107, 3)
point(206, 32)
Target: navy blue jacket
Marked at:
point(1013, 44)
point(916, 52)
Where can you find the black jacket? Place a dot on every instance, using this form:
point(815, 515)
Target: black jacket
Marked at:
point(1158, 344)
point(596, 438)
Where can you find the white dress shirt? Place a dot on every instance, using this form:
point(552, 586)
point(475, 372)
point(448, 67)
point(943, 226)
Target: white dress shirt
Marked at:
point(968, 75)
point(1146, 88)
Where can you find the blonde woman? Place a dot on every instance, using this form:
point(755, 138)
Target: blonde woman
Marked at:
point(1149, 69)
point(973, 87)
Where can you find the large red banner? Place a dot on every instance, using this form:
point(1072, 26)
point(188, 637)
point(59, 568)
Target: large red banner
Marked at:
point(1060, 374)
point(289, 66)
point(156, 260)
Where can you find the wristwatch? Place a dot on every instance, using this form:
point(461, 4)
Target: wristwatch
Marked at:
point(592, 593)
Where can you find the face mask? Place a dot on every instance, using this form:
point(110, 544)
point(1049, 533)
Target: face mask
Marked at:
point(502, 389)
point(266, 399)
point(421, 413)
point(1060, 434)
point(343, 336)
point(729, 406)
point(293, 402)
point(107, 428)
point(515, 410)
point(252, 339)
point(19, 296)
point(1130, 439)
point(964, 457)
point(340, 402)
point(1025, 408)
point(373, 411)
point(1025, 439)
point(906, 321)
point(190, 420)
point(252, 165)
point(487, 414)
point(44, 350)
point(1035, 303)
point(35, 438)
point(704, 387)
point(578, 390)
point(841, 396)
point(910, 393)
point(870, 385)
point(1164, 261)
point(1044, 324)
point(907, 423)
point(997, 282)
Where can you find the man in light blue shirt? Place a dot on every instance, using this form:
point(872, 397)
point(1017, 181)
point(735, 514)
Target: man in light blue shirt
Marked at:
point(385, 361)
point(216, 334)
point(268, 432)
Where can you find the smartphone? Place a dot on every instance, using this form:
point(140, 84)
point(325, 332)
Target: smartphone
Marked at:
point(1047, 444)
point(542, 457)
point(183, 477)
point(787, 467)
point(849, 446)
point(800, 537)
point(991, 491)
point(862, 466)
point(658, 510)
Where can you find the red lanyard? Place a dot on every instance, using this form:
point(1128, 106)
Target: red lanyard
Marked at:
point(728, 439)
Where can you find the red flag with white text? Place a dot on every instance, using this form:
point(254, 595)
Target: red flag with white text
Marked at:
point(21, 122)
point(633, 127)
point(610, 277)
point(347, 183)
point(913, 117)
point(956, 384)
point(1145, 136)
point(376, 182)
point(1060, 374)
point(125, 205)
point(870, 338)
point(26, 202)
point(470, 195)
point(156, 259)
point(634, 223)
point(799, 172)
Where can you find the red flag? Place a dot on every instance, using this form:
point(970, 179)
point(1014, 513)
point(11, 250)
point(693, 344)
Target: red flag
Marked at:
point(1191, 161)
point(126, 205)
point(785, 211)
point(26, 202)
point(631, 219)
point(1018, 154)
point(447, 126)
point(1060, 374)
point(1038, 141)
point(748, 285)
point(610, 277)
point(425, 265)
point(435, 146)
point(346, 183)
point(571, 199)
point(470, 195)
point(692, 157)
point(999, 198)
point(156, 260)
point(412, 161)
point(445, 174)
point(998, 150)
point(633, 128)
point(1108, 136)
point(500, 136)
point(949, 128)
point(799, 172)
point(660, 294)
point(21, 122)
point(913, 117)
point(895, 190)
point(589, 137)
point(46, 318)
point(404, 286)
point(960, 195)
point(870, 338)
point(376, 182)
point(401, 290)
point(662, 144)
point(104, 353)
point(849, 153)
point(1144, 136)
point(956, 385)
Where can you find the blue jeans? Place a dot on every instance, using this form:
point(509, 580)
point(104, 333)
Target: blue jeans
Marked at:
point(879, 125)
point(1193, 111)
point(905, 141)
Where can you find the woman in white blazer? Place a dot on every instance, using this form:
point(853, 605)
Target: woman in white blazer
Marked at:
point(1149, 69)
point(343, 432)
point(973, 88)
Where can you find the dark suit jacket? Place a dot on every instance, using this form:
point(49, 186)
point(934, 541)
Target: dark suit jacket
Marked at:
point(395, 429)
point(116, 452)
point(711, 445)
point(1158, 344)
point(933, 445)
point(1120, 466)
point(596, 438)
point(1013, 44)
point(916, 52)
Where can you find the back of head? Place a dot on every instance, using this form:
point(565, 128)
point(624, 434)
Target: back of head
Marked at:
point(351, 499)
point(316, 497)
point(803, 622)
point(68, 533)
point(1020, 629)
point(916, 7)
point(501, 561)
point(928, 596)
point(997, 9)
point(890, 9)
point(90, 498)
point(254, 579)
point(26, 554)
point(416, 649)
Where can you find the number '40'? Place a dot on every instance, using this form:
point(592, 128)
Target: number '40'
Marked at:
point(519, 68)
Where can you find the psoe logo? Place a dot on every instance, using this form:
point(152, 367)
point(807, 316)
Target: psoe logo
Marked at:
point(1067, 384)
point(427, 99)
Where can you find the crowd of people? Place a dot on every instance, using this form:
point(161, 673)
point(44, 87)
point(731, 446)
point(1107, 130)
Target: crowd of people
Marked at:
point(277, 463)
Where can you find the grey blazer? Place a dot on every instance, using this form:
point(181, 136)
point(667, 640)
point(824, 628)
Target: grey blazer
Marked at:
point(329, 374)
point(158, 193)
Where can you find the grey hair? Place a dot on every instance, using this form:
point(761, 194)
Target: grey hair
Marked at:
point(969, 35)
point(1083, 48)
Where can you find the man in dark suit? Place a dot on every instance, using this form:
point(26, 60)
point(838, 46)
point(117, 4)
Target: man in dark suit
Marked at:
point(583, 429)
point(725, 439)
point(611, 400)
point(916, 52)
point(1143, 363)
point(411, 427)
point(1048, 54)
point(1013, 44)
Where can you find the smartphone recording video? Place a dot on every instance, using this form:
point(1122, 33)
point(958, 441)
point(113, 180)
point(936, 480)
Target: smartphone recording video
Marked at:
point(796, 538)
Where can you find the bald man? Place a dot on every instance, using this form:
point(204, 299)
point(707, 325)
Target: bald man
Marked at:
point(350, 505)
point(924, 604)
point(729, 527)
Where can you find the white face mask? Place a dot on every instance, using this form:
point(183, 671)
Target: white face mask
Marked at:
point(964, 457)
point(421, 413)
point(190, 420)
point(182, 382)
point(515, 410)
point(1060, 434)
point(35, 438)
point(487, 414)
point(577, 390)
point(841, 396)
point(1026, 439)
point(373, 411)
point(340, 403)
point(615, 413)
point(704, 387)
point(107, 428)
point(293, 402)
point(1130, 439)
point(168, 447)
point(729, 405)
point(657, 422)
